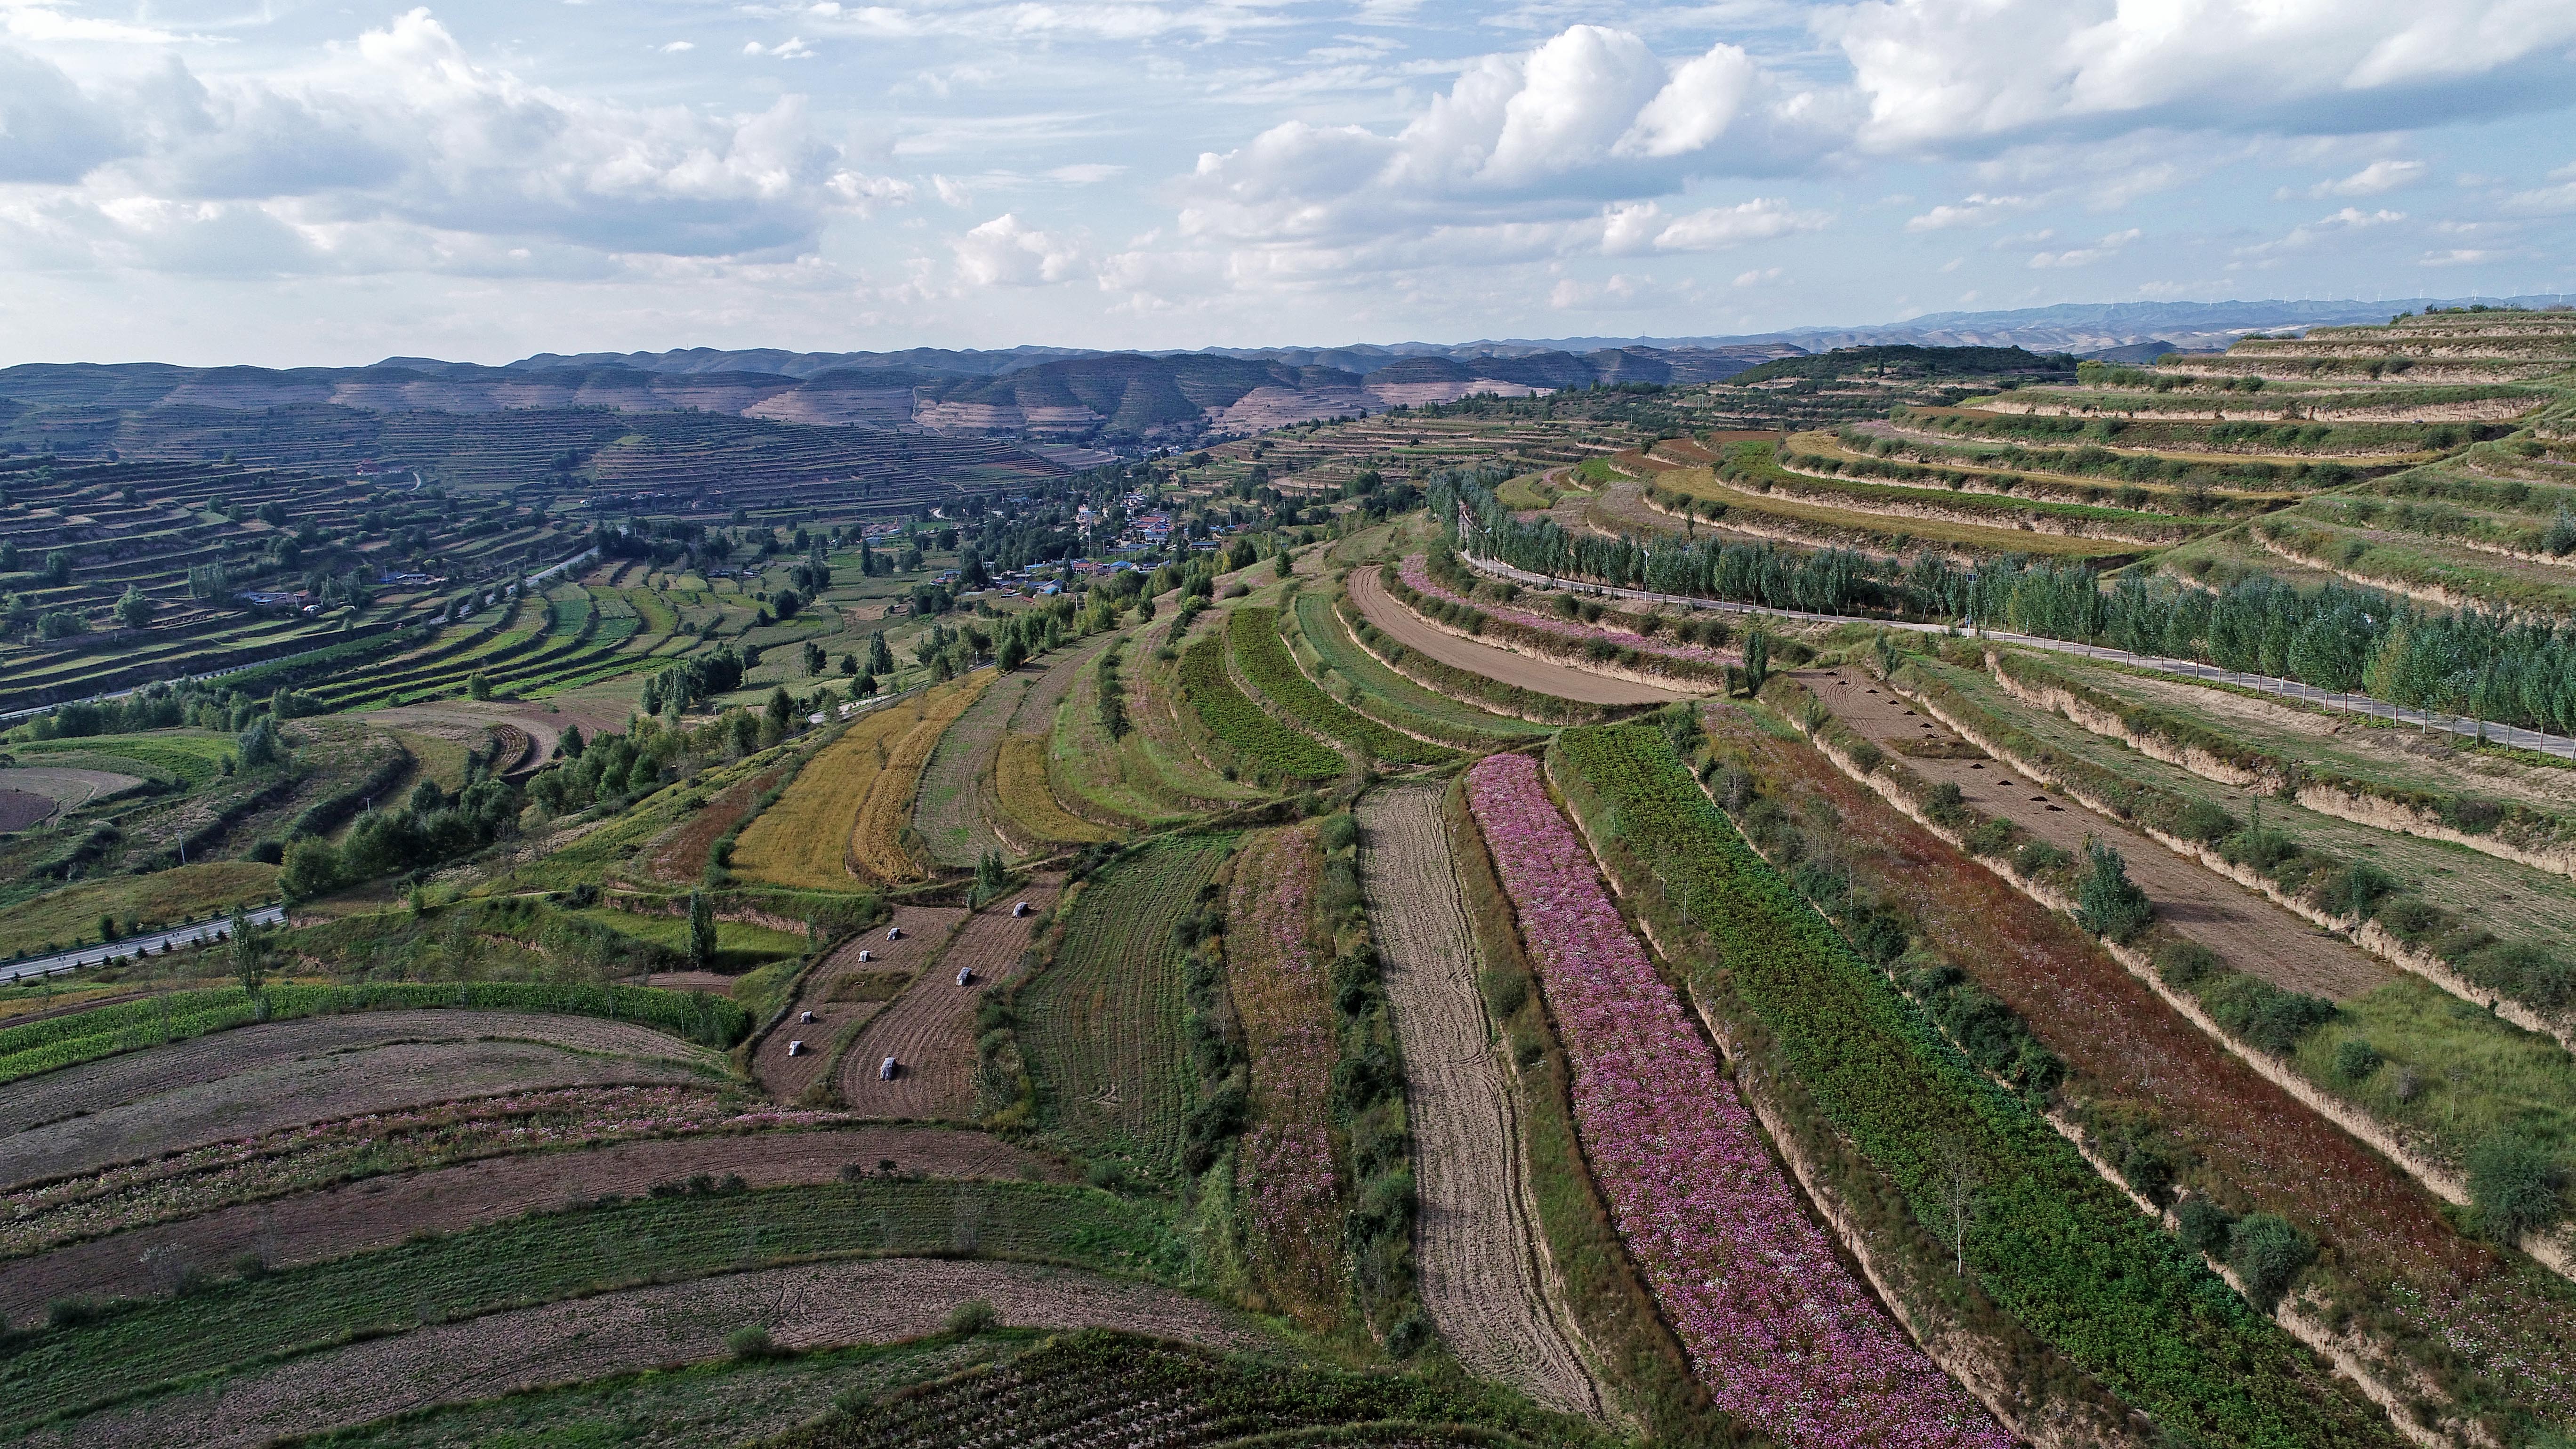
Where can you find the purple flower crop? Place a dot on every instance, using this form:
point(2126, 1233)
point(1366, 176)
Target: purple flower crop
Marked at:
point(1774, 1324)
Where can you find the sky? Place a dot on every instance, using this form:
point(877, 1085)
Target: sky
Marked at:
point(282, 182)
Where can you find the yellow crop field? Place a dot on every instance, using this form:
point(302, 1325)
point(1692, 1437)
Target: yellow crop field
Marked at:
point(1020, 778)
point(877, 846)
point(807, 838)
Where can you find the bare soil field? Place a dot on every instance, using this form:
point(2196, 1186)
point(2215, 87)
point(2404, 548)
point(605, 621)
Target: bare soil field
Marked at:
point(64, 785)
point(2254, 935)
point(930, 1029)
point(812, 1305)
point(256, 1079)
point(1480, 1273)
point(925, 929)
point(1035, 711)
point(20, 809)
point(1562, 680)
point(543, 725)
point(383, 1211)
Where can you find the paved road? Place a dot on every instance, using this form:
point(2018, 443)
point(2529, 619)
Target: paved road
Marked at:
point(159, 941)
point(2501, 734)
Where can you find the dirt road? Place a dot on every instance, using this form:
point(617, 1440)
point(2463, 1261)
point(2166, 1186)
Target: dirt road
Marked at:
point(1480, 1274)
point(2254, 935)
point(930, 1029)
point(380, 1212)
point(1562, 680)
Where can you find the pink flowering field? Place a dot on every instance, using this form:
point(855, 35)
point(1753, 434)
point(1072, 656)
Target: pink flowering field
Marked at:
point(1778, 1329)
point(1277, 976)
point(1417, 575)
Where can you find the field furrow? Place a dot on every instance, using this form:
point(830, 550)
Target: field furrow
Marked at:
point(1480, 1273)
point(929, 1030)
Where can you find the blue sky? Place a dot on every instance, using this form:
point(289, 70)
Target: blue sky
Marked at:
point(280, 182)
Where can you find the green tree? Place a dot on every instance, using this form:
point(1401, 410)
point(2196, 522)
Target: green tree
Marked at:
point(60, 624)
point(478, 685)
point(133, 609)
point(880, 655)
point(992, 877)
point(2268, 1254)
point(58, 567)
point(702, 930)
point(250, 954)
point(1757, 661)
point(782, 715)
point(2109, 904)
point(259, 745)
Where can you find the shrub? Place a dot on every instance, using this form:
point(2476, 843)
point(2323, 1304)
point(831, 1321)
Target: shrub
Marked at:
point(1505, 992)
point(2205, 1226)
point(1947, 804)
point(2110, 905)
point(2514, 1187)
point(2039, 858)
point(2356, 1059)
point(752, 1342)
point(1992, 837)
point(972, 1317)
point(2186, 963)
point(2205, 822)
point(2267, 1254)
point(2265, 1015)
point(1867, 757)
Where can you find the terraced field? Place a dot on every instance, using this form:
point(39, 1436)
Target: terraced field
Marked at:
point(929, 1029)
point(1387, 696)
point(1104, 1034)
point(812, 834)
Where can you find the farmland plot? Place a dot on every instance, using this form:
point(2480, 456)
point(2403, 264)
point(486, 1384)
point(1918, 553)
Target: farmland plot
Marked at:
point(838, 1012)
point(258, 1078)
point(1776, 1325)
point(806, 838)
point(1480, 1273)
point(1387, 695)
point(1288, 1171)
point(1104, 1018)
point(547, 1257)
point(949, 815)
point(1031, 818)
point(383, 1211)
point(807, 1306)
point(1519, 670)
point(2404, 1278)
point(882, 846)
point(929, 1030)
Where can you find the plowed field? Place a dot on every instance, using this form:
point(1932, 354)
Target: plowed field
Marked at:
point(238, 1083)
point(1103, 1023)
point(382, 1211)
point(924, 928)
point(806, 1306)
point(930, 1029)
point(955, 786)
point(1562, 680)
point(1480, 1274)
point(2254, 935)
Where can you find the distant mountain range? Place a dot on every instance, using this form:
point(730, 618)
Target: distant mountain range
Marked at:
point(1064, 394)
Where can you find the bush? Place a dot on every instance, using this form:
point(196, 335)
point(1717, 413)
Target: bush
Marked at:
point(2039, 858)
point(2186, 963)
point(2205, 1226)
point(2110, 905)
point(1505, 991)
point(2205, 822)
point(2356, 1059)
point(1947, 804)
point(752, 1342)
point(2264, 1015)
point(2514, 1187)
point(972, 1317)
point(2268, 1254)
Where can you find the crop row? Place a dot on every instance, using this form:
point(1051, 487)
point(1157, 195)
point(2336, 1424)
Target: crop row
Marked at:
point(1268, 749)
point(2050, 1242)
point(1596, 642)
point(1100, 1387)
point(1784, 1335)
point(64, 1041)
point(1382, 689)
point(1263, 655)
point(544, 1257)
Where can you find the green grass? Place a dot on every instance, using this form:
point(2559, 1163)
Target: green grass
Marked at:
point(1265, 748)
point(724, 1402)
point(1421, 710)
point(550, 1256)
point(740, 946)
point(1103, 1019)
point(189, 892)
point(2454, 1074)
point(1264, 658)
point(190, 756)
point(105, 1031)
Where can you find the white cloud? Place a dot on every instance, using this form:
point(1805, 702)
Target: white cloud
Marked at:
point(1004, 253)
point(792, 48)
point(677, 46)
point(1757, 278)
point(2458, 257)
point(1977, 210)
point(2350, 218)
point(1088, 173)
point(2109, 246)
point(2370, 180)
point(1712, 228)
point(951, 190)
point(1939, 72)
